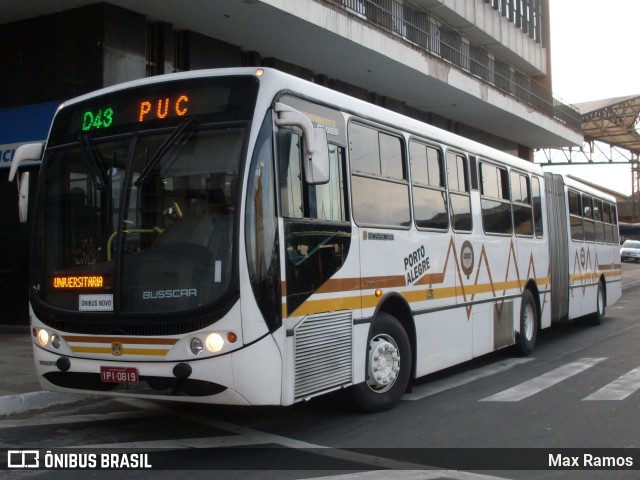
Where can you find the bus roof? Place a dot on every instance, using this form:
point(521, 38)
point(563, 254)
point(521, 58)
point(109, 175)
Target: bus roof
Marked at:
point(277, 81)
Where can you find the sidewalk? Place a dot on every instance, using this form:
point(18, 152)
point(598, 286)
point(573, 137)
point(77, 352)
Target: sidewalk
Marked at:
point(19, 387)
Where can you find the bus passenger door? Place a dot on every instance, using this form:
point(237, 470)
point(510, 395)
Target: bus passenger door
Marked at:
point(316, 236)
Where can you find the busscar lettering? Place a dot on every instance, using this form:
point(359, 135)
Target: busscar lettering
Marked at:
point(176, 293)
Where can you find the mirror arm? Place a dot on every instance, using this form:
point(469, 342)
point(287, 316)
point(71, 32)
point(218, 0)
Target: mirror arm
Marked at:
point(25, 153)
point(290, 117)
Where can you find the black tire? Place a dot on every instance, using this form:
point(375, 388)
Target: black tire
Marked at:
point(389, 352)
point(528, 333)
point(597, 317)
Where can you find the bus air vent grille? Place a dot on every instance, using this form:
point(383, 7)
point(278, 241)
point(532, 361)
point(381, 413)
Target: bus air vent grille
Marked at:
point(323, 353)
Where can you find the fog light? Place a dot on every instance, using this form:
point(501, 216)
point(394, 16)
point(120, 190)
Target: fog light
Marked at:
point(43, 337)
point(196, 346)
point(182, 370)
point(55, 341)
point(63, 364)
point(215, 342)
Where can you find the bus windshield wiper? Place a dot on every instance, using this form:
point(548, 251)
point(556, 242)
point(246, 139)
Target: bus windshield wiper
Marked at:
point(98, 174)
point(180, 130)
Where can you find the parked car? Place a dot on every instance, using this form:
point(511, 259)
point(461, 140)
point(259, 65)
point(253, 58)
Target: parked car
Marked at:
point(630, 250)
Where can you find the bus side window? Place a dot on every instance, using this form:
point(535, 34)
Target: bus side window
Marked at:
point(608, 222)
point(522, 209)
point(429, 188)
point(496, 206)
point(300, 200)
point(575, 215)
point(598, 217)
point(537, 207)
point(377, 165)
point(614, 221)
point(459, 197)
point(290, 147)
point(589, 224)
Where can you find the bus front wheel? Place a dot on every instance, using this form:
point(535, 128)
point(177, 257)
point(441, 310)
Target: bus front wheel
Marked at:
point(388, 366)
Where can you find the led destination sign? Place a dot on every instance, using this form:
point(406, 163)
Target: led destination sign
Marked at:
point(99, 119)
point(160, 108)
point(78, 281)
point(158, 105)
point(147, 110)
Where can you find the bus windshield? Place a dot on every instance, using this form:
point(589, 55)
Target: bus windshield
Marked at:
point(139, 222)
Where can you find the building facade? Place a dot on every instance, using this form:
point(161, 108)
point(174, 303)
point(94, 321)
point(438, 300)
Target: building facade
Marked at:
point(479, 68)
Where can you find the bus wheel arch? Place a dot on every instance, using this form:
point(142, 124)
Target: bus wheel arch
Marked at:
point(395, 305)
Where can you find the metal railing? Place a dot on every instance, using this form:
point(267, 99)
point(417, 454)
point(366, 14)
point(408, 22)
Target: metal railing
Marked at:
point(418, 27)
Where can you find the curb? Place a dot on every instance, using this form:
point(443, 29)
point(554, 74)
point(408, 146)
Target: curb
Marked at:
point(25, 402)
point(15, 329)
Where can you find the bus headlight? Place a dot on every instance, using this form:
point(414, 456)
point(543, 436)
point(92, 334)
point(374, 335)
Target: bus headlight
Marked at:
point(55, 341)
point(215, 342)
point(43, 337)
point(196, 346)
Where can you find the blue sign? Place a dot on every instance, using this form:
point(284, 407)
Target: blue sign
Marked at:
point(21, 125)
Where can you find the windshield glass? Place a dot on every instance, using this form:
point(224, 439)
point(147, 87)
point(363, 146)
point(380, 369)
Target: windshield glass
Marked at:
point(155, 237)
point(631, 244)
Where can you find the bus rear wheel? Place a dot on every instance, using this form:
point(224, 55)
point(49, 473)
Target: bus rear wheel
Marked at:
point(528, 324)
point(388, 366)
point(596, 317)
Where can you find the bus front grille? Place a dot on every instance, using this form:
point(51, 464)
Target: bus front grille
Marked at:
point(323, 353)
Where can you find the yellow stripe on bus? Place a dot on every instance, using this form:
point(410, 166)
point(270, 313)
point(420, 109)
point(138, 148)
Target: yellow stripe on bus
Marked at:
point(156, 352)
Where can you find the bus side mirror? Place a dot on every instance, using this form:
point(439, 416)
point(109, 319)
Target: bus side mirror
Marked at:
point(23, 197)
point(316, 164)
point(316, 147)
point(30, 152)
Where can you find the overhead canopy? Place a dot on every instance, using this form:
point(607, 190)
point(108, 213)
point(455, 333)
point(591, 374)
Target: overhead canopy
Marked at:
point(613, 121)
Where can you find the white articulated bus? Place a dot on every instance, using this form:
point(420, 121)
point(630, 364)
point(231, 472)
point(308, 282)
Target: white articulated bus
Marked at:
point(242, 236)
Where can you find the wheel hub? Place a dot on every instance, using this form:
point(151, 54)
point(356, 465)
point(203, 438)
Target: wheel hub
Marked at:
point(384, 363)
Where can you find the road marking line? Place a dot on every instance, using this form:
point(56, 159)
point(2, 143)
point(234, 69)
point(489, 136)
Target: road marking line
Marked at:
point(438, 386)
point(411, 475)
point(537, 384)
point(618, 389)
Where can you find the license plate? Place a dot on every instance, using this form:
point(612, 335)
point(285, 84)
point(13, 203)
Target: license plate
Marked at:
point(119, 374)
